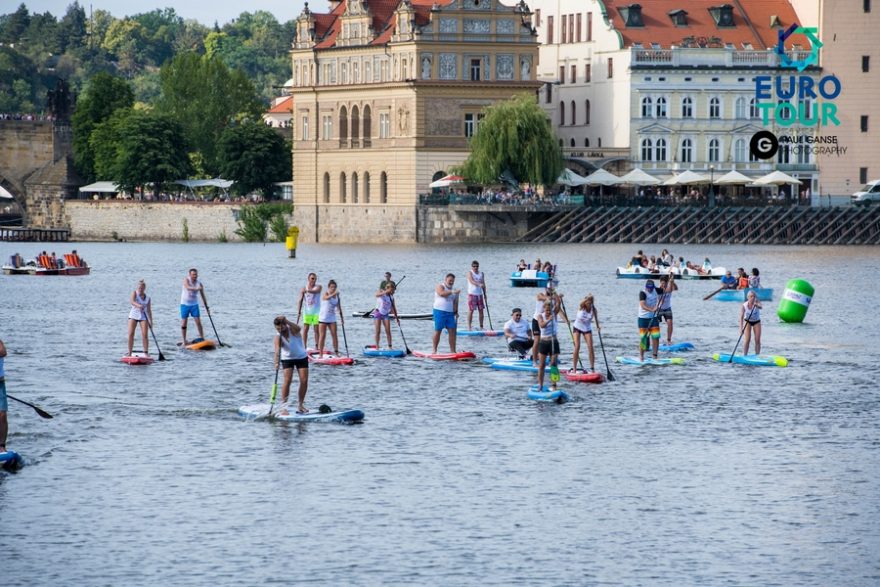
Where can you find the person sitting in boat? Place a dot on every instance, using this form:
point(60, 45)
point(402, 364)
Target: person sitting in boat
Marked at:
point(80, 262)
point(742, 279)
point(755, 278)
point(547, 268)
point(652, 265)
point(518, 333)
point(695, 268)
point(637, 259)
point(728, 281)
point(537, 265)
point(666, 258)
point(521, 266)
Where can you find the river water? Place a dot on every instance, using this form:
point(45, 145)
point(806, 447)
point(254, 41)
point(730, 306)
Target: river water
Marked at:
point(701, 474)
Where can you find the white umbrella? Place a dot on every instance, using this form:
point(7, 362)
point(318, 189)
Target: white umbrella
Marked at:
point(671, 180)
point(733, 177)
point(777, 178)
point(691, 178)
point(569, 177)
point(602, 177)
point(639, 177)
point(446, 181)
point(4, 193)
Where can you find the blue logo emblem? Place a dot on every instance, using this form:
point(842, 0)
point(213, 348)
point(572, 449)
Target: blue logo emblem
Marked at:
point(815, 44)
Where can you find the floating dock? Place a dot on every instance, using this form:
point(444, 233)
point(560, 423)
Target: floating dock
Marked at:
point(24, 233)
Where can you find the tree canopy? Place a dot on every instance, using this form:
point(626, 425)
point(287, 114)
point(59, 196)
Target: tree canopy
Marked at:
point(255, 156)
point(103, 96)
point(514, 135)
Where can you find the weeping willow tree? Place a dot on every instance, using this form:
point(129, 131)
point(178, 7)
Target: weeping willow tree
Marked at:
point(515, 135)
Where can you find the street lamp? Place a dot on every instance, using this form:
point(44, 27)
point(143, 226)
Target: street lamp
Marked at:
point(711, 186)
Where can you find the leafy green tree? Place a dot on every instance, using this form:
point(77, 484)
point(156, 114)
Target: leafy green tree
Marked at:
point(125, 40)
point(13, 26)
point(135, 148)
point(255, 157)
point(73, 27)
point(103, 96)
point(205, 96)
point(515, 135)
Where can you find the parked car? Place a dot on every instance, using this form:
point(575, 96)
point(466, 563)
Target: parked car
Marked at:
point(870, 194)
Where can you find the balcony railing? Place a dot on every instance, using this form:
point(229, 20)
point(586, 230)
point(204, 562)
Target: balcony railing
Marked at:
point(711, 56)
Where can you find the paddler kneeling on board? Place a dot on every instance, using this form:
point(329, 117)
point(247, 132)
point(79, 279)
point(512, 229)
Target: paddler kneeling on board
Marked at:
point(141, 313)
point(290, 354)
point(518, 333)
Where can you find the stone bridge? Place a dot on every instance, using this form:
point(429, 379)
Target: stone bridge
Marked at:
point(36, 167)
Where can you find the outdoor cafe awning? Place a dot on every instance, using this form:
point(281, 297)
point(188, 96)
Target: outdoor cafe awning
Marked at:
point(104, 187)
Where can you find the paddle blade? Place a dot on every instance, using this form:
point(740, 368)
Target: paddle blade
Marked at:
point(274, 392)
point(554, 373)
point(676, 361)
point(780, 361)
point(610, 376)
point(43, 413)
point(643, 342)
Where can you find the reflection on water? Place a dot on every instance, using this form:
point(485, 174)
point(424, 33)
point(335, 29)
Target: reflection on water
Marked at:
point(705, 473)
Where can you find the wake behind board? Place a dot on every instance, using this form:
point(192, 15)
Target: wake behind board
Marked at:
point(584, 376)
point(459, 356)
point(372, 351)
point(201, 344)
point(756, 360)
point(137, 359)
point(545, 394)
point(649, 361)
point(262, 410)
point(677, 347)
point(11, 461)
point(480, 332)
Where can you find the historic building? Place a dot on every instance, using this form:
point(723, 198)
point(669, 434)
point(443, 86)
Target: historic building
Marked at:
point(385, 95)
point(669, 85)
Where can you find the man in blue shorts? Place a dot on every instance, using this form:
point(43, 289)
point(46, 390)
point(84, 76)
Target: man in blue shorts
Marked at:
point(445, 311)
point(189, 303)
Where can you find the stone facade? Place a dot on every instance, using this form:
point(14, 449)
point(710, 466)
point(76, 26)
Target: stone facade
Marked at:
point(350, 224)
point(480, 224)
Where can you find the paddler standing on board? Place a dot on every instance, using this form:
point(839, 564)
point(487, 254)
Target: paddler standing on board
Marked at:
point(750, 320)
point(649, 324)
point(665, 313)
point(290, 354)
point(549, 293)
point(141, 312)
point(476, 291)
point(189, 303)
point(549, 345)
point(384, 308)
point(310, 297)
point(445, 311)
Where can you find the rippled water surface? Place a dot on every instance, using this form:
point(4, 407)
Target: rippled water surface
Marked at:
point(702, 474)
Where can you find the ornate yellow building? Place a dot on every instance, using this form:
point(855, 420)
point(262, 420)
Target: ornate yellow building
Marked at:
point(386, 94)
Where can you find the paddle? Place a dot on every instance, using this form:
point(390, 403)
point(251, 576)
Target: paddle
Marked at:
point(342, 320)
point(274, 391)
point(571, 334)
point(150, 325)
point(369, 313)
point(741, 332)
point(208, 310)
point(488, 313)
point(608, 374)
point(42, 413)
point(714, 292)
point(399, 327)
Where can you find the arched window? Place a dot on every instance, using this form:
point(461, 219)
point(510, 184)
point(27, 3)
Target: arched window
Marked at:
point(354, 188)
point(739, 151)
point(383, 188)
point(587, 112)
point(741, 107)
point(573, 114)
point(660, 108)
point(647, 145)
point(646, 106)
point(599, 142)
point(714, 150)
point(784, 154)
point(753, 108)
point(715, 108)
point(560, 142)
point(368, 126)
point(586, 142)
point(785, 109)
point(326, 188)
point(343, 127)
point(660, 150)
point(562, 114)
point(687, 151)
point(687, 107)
point(366, 187)
point(571, 142)
point(343, 189)
point(355, 127)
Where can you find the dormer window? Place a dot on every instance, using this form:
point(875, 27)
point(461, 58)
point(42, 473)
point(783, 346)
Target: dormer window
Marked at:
point(679, 17)
point(775, 22)
point(723, 15)
point(632, 15)
point(748, 47)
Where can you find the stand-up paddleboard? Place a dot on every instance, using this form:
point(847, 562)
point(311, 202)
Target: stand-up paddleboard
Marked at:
point(677, 347)
point(584, 376)
point(459, 356)
point(262, 410)
point(480, 332)
point(137, 359)
point(369, 314)
point(11, 461)
point(546, 395)
point(201, 344)
point(649, 361)
point(330, 359)
point(372, 351)
point(525, 366)
point(514, 359)
point(757, 360)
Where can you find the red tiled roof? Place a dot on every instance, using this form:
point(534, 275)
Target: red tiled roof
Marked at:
point(284, 106)
point(327, 26)
point(752, 22)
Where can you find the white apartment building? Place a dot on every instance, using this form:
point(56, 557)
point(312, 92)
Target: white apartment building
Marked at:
point(668, 85)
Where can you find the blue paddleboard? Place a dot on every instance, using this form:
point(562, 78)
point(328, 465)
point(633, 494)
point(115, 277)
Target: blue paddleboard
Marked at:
point(11, 461)
point(677, 347)
point(372, 351)
point(524, 365)
point(480, 332)
point(757, 360)
point(545, 395)
point(649, 361)
point(262, 410)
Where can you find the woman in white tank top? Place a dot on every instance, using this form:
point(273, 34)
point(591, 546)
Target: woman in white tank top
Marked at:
point(583, 328)
point(750, 321)
point(331, 308)
point(141, 312)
